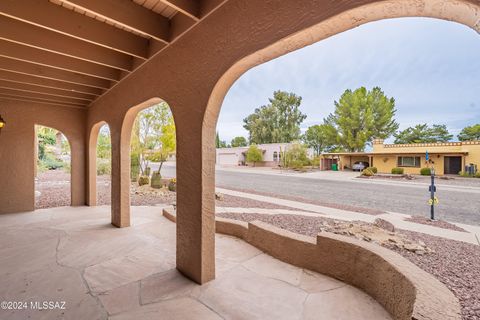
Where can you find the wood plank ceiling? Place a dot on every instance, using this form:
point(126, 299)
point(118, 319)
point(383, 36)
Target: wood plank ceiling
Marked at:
point(69, 52)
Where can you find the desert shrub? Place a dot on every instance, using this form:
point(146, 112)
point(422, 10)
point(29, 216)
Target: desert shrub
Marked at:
point(316, 161)
point(373, 169)
point(41, 166)
point(50, 163)
point(397, 171)
point(254, 154)
point(143, 180)
point(425, 171)
point(172, 184)
point(296, 156)
point(67, 167)
point(367, 172)
point(103, 166)
point(465, 174)
point(477, 175)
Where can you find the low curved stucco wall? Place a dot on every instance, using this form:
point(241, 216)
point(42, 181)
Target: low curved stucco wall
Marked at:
point(404, 290)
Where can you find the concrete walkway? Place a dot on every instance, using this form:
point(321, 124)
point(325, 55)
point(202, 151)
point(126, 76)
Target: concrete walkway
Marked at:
point(73, 257)
point(306, 209)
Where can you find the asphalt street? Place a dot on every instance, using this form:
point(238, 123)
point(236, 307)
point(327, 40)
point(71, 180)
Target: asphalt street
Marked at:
point(461, 206)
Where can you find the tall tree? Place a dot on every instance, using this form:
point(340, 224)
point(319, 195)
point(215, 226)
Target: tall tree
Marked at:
point(360, 116)
point(423, 133)
point(220, 143)
point(239, 142)
point(470, 133)
point(254, 154)
point(278, 121)
point(318, 138)
point(148, 131)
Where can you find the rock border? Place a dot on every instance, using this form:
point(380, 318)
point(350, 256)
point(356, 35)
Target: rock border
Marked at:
point(402, 288)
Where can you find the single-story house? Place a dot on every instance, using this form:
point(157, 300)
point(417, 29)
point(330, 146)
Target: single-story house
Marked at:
point(272, 155)
point(445, 157)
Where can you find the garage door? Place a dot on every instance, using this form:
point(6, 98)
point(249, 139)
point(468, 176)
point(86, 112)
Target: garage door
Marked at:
point(227, 159)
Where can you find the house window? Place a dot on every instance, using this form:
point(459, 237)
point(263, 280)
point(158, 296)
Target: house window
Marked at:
point(275, 156)
point(409, 162)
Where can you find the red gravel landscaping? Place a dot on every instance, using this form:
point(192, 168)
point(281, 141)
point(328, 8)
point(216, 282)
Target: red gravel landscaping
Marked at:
point(435, 223)
point(54, 186)
point(454, 263)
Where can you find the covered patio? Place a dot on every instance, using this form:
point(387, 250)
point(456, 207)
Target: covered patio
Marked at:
point(74, 255)
point(74, 65)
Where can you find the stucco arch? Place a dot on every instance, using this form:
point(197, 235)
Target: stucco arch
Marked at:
point(54, 127)
point(92, 162)
point(121, 163)
point(463, 12)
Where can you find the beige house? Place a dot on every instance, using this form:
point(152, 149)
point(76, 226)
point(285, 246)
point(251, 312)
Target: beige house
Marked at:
point(272, 155)
point(446, 158)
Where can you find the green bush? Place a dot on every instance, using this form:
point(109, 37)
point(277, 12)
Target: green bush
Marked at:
point(50, 163)
point(316, 161)
point(464, 174)
point(143, 180)
point(368, 172)
point(397, 171)
point(296, 156)
point(425, 171)
point(103, 167)
point(67, 167)
point(477, 175)
point(373, 169)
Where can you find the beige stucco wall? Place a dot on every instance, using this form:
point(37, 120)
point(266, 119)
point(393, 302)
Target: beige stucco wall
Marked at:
point(406, 291)
point(193, 75)
point(17, 151)
point(437, 153)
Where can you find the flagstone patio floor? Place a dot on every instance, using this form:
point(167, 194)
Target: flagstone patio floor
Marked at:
point(88, 269)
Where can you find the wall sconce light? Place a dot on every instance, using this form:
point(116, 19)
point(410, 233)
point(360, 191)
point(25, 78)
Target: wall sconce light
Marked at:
point(2, 123)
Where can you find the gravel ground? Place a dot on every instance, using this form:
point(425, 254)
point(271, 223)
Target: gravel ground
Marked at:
point(316, 202)
point(54, 186)
point(436, 223)
point(454, 263)
point(441, 180)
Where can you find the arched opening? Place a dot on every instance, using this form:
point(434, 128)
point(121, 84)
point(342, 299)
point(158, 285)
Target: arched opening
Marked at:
point(99, 163)
point(52, 168)
point(147, 147)
point(464, 13)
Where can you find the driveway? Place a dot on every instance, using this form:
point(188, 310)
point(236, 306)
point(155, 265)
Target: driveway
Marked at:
point(457, 204)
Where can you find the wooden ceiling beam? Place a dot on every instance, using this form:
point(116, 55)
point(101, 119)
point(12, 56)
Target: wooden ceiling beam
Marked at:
point(41, 101)
point(51, 73)
point(44, 97)
point(128, 14)
point(190, 8)
point(49, 83)
point(20, 52)
point(50, 16)
point(50, 91)
point(27, 34)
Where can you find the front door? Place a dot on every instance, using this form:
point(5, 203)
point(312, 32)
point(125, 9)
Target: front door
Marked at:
point(453, 165)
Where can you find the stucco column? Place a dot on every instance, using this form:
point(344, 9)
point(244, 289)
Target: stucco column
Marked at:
point(120, 179)
point(77, 175)
point(195, 201)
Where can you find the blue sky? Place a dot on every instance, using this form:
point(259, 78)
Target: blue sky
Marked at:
point(431, 67)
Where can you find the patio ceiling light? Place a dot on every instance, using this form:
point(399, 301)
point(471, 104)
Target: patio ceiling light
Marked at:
point(2, 123)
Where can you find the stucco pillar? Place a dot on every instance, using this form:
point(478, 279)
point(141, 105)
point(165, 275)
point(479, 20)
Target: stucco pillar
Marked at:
point(120, 180)
point(77, 175)
point(195, 202)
